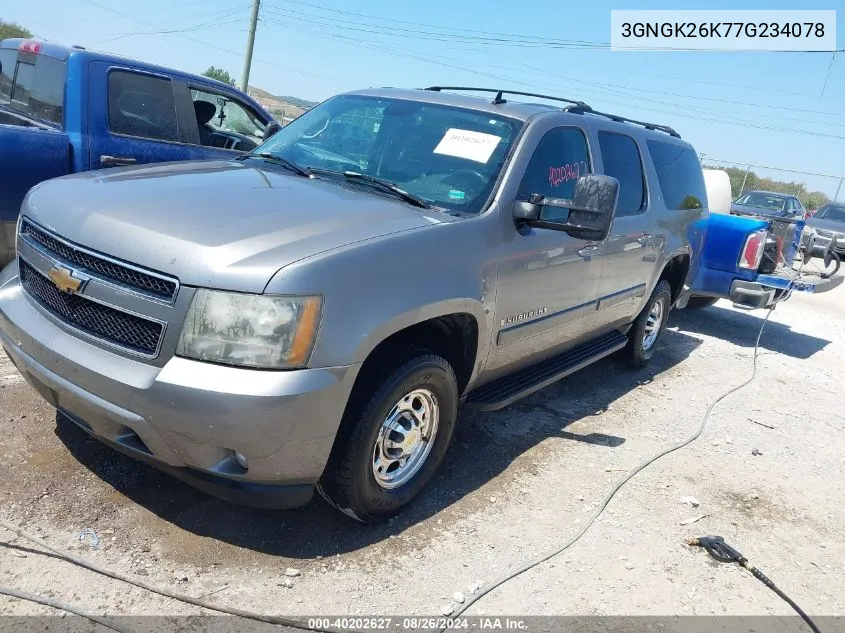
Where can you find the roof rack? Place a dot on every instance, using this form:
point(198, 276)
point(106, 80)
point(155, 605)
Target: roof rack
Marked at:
point(576, 107)
point(498, 98)
point(649, 126)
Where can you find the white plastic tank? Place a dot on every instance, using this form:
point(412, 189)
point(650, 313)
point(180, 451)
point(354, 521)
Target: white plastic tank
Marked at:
point(719, 196)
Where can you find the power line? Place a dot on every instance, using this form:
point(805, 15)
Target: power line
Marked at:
point(829, 70)
point(478, 37)
point(208, 23)
point(344, 26)
point(210, 45)
point(719, 118)
point(757, 165)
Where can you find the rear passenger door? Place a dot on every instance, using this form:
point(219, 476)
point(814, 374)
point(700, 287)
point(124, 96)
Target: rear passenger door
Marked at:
point(630, 251)
point(133, 118)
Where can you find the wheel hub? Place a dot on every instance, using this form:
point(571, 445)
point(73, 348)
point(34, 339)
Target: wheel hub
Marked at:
point(653, 322)
point(405, 438)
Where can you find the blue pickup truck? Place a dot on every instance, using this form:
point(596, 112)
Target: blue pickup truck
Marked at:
point(753, 257)
point(67, 109)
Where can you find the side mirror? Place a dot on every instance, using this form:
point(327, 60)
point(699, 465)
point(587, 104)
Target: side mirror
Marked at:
point(271, 129)
point(587, 216)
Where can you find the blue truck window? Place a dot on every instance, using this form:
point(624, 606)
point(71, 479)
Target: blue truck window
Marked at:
point(217, 113)
point(32, 84)
point(621, 158)
point(142, 106)
point(679, 174)
point(560, 159)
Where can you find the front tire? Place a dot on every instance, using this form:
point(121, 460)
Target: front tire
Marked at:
point(393, 438)
point(649, 325)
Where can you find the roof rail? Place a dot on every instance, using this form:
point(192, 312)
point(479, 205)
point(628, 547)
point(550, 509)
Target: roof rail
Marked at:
point(498, 98)
point(621, 119)
point(576, 107)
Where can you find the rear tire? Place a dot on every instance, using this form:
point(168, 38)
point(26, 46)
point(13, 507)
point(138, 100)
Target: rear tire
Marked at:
point(699, 302)
point(408, 415)
point(648, 327)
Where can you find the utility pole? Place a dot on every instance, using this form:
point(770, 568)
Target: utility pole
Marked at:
point(250, 42)
point(744, 179)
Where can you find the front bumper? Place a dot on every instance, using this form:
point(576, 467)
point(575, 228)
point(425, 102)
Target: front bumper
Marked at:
point(186, 418)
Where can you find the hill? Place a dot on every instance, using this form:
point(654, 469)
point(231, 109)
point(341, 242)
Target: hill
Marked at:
point(282, 107)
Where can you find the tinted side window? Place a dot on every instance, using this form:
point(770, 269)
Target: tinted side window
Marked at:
point(39, 84)
point(141, 105)
point(680, 176)
point(621, 159)
point(560, 159)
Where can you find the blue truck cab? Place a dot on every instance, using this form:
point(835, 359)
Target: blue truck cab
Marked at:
point(67, 109)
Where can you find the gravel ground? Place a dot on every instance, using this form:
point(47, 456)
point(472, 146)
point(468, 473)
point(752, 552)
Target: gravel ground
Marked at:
point(767, 474)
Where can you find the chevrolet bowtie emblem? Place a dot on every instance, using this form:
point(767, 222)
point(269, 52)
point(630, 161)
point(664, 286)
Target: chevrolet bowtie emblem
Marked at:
point(64, 280)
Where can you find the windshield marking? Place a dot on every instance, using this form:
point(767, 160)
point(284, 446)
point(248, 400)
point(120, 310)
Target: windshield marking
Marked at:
point(475, 146)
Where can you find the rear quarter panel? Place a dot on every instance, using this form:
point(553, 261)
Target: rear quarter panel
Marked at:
point(29, 155)
point(726, 235)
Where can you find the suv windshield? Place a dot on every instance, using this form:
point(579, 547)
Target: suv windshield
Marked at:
point(835, 212)
point(32, 84)
point(449, 157)
point(763, 202)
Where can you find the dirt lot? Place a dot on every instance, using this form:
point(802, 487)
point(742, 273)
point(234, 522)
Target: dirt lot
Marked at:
point(514, 484)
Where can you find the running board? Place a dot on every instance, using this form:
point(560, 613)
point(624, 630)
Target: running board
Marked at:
point(508, 389)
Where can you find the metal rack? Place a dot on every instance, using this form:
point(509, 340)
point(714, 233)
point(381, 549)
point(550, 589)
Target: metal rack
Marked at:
point(575, 106)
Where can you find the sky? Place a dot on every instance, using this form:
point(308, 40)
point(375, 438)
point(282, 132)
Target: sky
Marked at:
point(737, 108)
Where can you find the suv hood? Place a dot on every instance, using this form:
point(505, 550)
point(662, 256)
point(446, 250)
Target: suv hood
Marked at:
point(217, 224)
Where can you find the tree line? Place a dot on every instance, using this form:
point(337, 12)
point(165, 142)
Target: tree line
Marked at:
point(10, 29)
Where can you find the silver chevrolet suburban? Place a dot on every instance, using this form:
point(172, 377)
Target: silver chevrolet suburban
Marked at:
point(315, 313)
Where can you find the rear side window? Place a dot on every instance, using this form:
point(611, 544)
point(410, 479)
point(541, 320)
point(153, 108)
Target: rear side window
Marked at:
point(621, 159)
point(32, 84)
point(679, 174)
point(560, 159)
point(142, 106)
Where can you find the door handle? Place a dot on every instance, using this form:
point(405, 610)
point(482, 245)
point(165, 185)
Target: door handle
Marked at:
point(644, 239)
point(111, 161)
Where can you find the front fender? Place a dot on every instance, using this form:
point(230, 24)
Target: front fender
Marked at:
point(376, 288)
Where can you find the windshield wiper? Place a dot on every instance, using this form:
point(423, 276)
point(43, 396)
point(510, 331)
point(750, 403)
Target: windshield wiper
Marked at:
point(284, 162)
point(384, 185)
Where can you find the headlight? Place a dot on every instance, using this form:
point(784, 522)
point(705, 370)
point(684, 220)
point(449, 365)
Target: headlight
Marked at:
point(267, 332)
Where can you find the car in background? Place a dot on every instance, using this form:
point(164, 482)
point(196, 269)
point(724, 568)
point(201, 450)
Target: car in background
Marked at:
point(769, 204)
point(829, 226)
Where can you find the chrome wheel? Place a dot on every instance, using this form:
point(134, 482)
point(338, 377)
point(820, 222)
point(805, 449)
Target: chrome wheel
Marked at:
point(653, 322)
point(405, 439)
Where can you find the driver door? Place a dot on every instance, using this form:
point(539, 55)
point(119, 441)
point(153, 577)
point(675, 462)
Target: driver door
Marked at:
point(218, 124)
point(548, 281)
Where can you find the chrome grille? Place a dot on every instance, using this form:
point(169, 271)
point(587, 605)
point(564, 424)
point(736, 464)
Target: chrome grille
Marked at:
point(95, 319)
point(137, 280)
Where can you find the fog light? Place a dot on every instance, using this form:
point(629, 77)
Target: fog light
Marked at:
point(239, 457)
